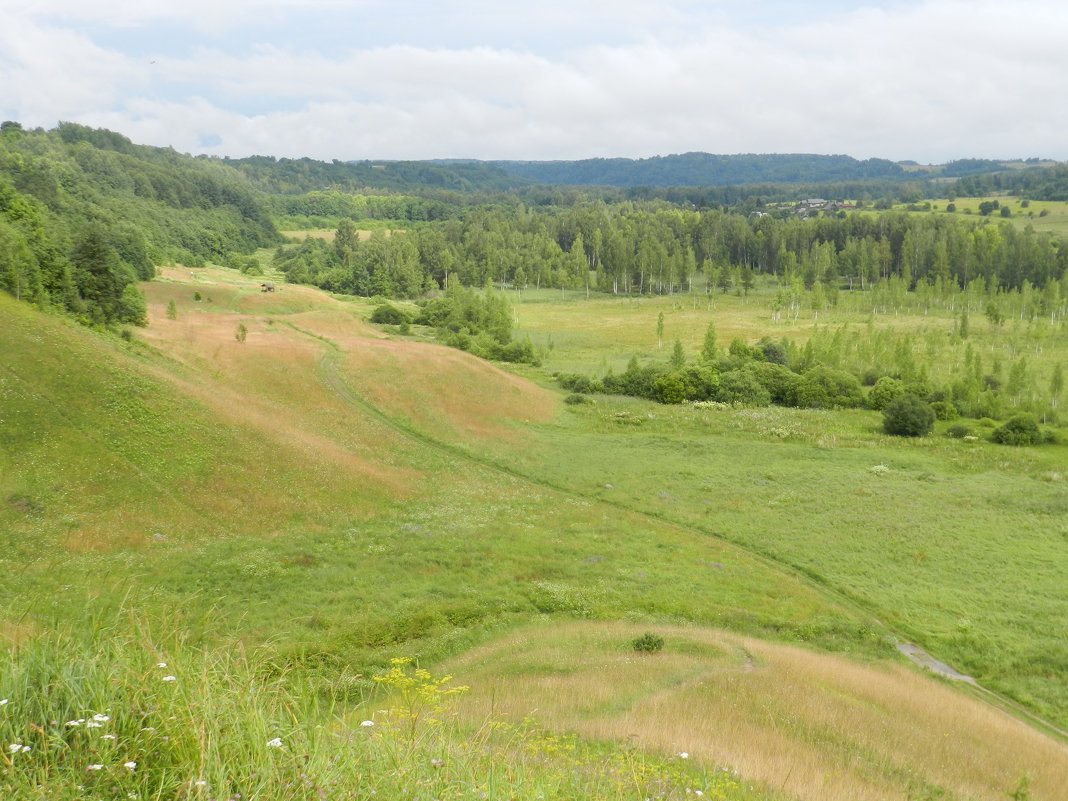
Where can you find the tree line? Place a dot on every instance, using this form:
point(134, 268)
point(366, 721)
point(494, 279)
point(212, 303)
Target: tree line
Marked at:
point(657, 248)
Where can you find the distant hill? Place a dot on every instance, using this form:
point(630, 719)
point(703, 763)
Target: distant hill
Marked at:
point(296, 176)
point(706, 169)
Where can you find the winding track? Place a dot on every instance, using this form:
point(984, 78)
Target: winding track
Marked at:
point(330, 373)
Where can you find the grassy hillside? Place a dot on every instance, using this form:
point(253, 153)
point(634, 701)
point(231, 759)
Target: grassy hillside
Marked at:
point(820, 725)
point(291, 509)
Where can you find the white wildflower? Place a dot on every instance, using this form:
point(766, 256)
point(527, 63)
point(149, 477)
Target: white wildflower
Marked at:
point(3, 701)
point(14, 748)
point(161, 664)
point(109, 737)
point(129, 765)
point(76, 722)
point(200, 783)
point(94, 724)
point(95, 767)
point(368, 723)
point(170, 678)
point(683, 755)
point(275, 743)
point(99, 718)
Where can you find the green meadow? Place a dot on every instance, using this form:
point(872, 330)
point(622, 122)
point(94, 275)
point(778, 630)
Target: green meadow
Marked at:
point(1042, 215)
point(279, 518)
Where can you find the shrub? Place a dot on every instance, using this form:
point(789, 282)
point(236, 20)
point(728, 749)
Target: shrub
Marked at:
point(885, 391)
point(648, 643)
point(780, 382)
point(774, 352)
point(908, 416)
point(743, 352)
point(576, 382)
point(945, 410)
point(574, 399)
point(1020, 430)
point(739, 386)
point(387, 314)
point(827, 388)
point(669, 388)
point(702, 383)
point(959, 431)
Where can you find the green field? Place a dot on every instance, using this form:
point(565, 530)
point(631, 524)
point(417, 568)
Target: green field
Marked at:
point(292, 511)
point(1042, 215)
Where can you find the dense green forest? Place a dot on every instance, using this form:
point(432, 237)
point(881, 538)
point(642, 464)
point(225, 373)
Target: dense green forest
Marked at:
point(295, 176)
point(705, 169)
point(1050, 183)
point(85, 213)
point(657, 249)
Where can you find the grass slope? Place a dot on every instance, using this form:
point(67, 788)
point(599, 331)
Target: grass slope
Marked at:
point(337, 498)
point(818, 726)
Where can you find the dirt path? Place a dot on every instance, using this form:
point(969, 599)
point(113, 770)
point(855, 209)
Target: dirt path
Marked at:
point(925, 660)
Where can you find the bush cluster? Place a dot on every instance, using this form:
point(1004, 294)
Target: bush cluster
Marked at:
point(908, 416)
point(1022, 429)
point(746, 376)
point(648, 643)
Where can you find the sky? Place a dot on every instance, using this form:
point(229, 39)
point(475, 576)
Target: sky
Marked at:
point(928, 80)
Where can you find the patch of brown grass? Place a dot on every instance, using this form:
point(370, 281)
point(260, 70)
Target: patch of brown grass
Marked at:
point(445, 390)
point(820, 727)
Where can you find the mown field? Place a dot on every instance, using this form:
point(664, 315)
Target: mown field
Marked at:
point(293, 510)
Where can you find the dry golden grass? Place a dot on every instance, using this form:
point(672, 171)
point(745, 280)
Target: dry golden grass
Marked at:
point(277, 387)
point(819, 727)
point(270, 383)
point(445, 390)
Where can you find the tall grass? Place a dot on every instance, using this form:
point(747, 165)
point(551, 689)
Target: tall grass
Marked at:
point(116, 712)
point(819, 726)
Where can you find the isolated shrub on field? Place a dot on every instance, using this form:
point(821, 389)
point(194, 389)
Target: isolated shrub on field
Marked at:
point(648, 643)
point(1020, 430)
point(908, 416)
point(574, 399)
point(959, 431)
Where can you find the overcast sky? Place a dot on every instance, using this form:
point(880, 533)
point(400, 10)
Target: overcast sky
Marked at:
point(930, 80)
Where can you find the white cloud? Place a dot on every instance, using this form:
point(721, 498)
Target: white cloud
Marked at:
point(931, 80)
